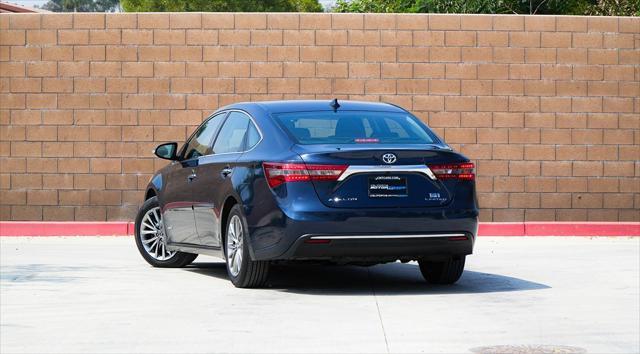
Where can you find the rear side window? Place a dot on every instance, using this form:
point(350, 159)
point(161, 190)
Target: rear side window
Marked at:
point(354, 127)
point(201, 140)
point(253, 136)
point(231, 136)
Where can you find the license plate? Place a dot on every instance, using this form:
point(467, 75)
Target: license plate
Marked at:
point(387, 186)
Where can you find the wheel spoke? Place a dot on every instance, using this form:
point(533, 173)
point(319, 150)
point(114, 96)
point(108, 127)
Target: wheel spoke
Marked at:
point(149, 226)
point(148, 241)
point(239, 258)
point(232, 262)
point(236, 264)
point(155, 214)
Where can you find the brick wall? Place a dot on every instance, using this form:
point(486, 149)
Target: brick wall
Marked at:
point(548, 107)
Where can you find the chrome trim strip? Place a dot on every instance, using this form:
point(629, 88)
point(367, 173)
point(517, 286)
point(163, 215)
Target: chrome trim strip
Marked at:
point(358, 237)
point(351, 170)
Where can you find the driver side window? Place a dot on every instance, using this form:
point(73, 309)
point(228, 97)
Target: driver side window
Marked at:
point(200, 142)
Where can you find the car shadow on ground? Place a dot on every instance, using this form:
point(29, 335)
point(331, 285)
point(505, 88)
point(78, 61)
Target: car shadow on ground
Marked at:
point(384, 279)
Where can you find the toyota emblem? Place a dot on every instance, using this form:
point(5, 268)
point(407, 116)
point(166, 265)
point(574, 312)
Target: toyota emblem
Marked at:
point(389, 158)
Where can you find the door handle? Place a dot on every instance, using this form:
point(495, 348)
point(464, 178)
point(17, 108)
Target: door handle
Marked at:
point(191, 177)
point(226, 172)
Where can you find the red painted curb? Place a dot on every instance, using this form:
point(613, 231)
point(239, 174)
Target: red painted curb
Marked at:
point(582, 229)
point(75, 228)
point(529, 228)
point(501, 229)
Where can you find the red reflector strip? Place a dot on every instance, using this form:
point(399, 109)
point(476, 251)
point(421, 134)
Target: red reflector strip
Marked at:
point(316, 241)
point(279, 173)
point(462, 171)
point(458, 238)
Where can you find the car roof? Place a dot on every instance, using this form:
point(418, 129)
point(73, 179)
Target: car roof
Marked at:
point(315, 105)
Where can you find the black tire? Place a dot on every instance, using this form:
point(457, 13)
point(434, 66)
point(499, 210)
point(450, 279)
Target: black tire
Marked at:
point(252, 274)
point(178, 260)
point(444, 272)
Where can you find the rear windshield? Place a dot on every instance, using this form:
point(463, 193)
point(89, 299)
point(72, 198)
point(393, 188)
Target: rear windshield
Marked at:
point(355, 127)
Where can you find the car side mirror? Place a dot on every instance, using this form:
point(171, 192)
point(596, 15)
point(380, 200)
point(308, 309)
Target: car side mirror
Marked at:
point(167, 151)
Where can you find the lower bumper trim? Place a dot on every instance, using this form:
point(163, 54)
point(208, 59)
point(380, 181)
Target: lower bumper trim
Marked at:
point(361, 237)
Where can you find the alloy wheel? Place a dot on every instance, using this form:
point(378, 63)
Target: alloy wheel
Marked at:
point(235, 237)
point(153, 237)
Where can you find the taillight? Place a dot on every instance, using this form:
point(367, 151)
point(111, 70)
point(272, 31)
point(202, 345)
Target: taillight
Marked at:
point(279, 173)
point(463, 171)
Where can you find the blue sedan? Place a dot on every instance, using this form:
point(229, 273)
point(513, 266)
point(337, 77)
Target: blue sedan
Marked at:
point(340, 182)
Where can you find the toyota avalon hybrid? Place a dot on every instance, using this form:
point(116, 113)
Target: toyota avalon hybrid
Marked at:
point(339, 182)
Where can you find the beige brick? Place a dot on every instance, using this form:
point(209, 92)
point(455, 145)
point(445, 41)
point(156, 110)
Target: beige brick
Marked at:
point(283, 21)
point(121, 20)
point(153, 20)
point(266, 37)
point(93, 52)
point(88, 20)
point(284, 53)
point(474, 22)
point(73, 37)
point(445, 54)
point(251, 21)
point(57, 53)
point(460, 38)
point(25, 21)
point(169, 37)
point(185, 20)
point(508, 184)
point(201, 37)
point(217, 20)
point(379, 54)
point(492, 168)
point(186, 53)
point(571, 24)
point(524, 39)
point(347, 21)
point(104, 37)
point(428, 38)
point(137, 36)
point(167, 69)
point(508, 55)
point(315, 86)
point(508, 23)
point(587, 201)
point(57, 21)
point(399, 38)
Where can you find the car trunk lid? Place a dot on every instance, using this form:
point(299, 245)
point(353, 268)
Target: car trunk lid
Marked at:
point(381, 177)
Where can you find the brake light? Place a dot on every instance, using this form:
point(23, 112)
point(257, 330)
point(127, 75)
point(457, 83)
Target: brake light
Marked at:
point(462, 171)
point(279, 173)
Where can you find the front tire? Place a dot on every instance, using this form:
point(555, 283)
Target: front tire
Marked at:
point(151, 238)
point(243, 271)
point(443, 272)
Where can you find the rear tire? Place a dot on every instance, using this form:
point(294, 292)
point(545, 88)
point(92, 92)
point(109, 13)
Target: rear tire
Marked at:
point(150, 232)
point(243, 271)
point(443, 272)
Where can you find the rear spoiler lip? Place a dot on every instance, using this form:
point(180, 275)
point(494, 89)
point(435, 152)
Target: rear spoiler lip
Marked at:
point(320, 148)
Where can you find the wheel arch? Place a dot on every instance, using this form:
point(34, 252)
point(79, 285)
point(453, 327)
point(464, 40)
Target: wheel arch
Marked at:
point(228, 204)
point(150, 193)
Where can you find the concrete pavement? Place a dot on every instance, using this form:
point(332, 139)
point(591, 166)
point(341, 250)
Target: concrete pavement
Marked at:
point(96, 294)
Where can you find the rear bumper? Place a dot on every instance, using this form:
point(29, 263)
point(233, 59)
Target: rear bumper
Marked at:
point(374, 234)
point(386, 248)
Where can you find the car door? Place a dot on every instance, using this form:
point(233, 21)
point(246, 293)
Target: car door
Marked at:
point(178, 194)
point(215, 172)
